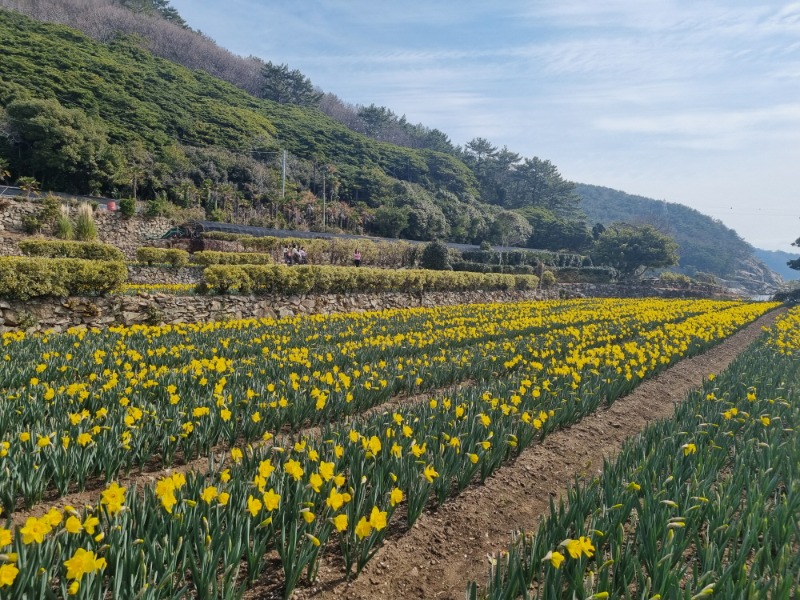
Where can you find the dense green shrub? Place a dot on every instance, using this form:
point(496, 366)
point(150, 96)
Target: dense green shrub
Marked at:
point(226, 279)
point(279, 279)
point(209, 257)
point(526, 282)
point(673, 278)
point(127, 206)
point(171, 256)
point(788, 296)
point(548, 279)
point(435, 256)
point(22, 277)
point(69, 249)
point(31, 224)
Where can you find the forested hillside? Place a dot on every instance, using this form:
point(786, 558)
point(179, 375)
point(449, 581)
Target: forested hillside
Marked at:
point(704, 244)
point(85, 116)
point(162, 31)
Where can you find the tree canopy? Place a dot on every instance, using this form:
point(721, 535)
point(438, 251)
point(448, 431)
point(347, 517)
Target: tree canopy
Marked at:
point(159, 7)
point(632, 249)
point(62, 147)
point(288, 87)
point(795, 264)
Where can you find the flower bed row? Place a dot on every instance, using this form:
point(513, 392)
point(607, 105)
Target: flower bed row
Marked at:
point(343, 487)
point(702, 504)
point(137, 403)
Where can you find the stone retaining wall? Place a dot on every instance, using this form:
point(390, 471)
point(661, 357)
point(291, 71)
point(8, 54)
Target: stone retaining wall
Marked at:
point(58, 315)
point(142, 274)
point(48, 313)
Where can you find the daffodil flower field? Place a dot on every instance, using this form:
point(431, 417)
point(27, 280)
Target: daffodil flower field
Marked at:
point(704, 504)
point(319, 432)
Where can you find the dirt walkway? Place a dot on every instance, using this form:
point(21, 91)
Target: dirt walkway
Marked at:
point(448, 548)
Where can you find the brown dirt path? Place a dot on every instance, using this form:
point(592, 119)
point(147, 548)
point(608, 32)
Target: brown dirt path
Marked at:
point(448, 548)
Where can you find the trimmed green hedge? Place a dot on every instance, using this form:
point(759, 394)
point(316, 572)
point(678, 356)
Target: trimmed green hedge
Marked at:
point(586, 274)
point(171, 256)
point(316, 279)
point(525, 257)
point(210, 257)
point(64, 249)
point(472, 267)
point(22, 277)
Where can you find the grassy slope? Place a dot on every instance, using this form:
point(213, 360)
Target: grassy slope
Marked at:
point(140, 96)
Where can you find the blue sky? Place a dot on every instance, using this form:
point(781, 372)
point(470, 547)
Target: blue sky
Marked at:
point(690, 101)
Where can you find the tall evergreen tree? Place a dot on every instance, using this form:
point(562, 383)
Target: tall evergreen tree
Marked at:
point(288, 87)
point(160, 7)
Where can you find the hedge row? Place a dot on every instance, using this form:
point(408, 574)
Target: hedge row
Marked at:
point(210, 257)
point(333, 251)
point(586, 274)
point(64, 249)
point(472, 267)
point(526, 257)
point(22, 277)
point(308, 279)
point(171, 256)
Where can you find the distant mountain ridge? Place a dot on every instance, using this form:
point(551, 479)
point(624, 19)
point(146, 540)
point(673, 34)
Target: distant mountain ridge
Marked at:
point(776, 260)
point(705, 244)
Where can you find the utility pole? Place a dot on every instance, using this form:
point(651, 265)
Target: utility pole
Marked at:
point(324, 216)
point(283, 177)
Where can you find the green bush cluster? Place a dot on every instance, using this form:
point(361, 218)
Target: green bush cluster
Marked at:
point(435, 256)
point(673, 278)
point(210, 257)
point(67, 249)
point(307, 279)
point(525, 282)
point(127, 207)
point(23, 277)
point(170, 256)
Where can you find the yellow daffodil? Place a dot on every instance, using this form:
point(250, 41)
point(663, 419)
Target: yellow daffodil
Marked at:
point(82, 563)
point(340, 522)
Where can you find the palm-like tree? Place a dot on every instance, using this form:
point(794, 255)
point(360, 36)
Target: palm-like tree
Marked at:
point(29, 185)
